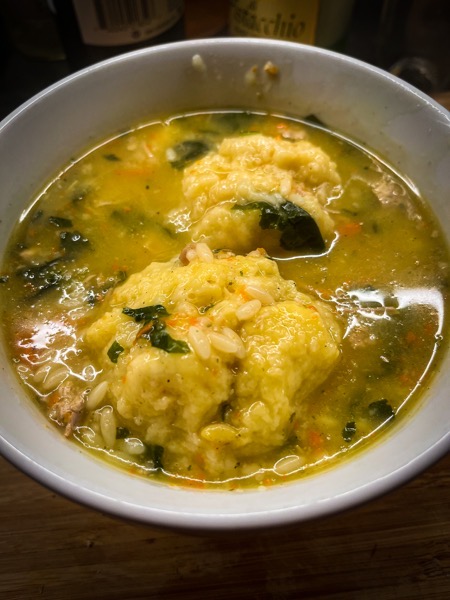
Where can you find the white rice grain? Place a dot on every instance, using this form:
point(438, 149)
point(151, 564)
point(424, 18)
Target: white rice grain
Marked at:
point(191, 254)
point(223, 343)
point(230, 333)
point(259, 294)
point(289, 464)
point(41, 373)
point(108, 426)
point(198, 63)
point(96, 395)
point(204, 252)
point(133, 446)
point(248, 310)
point(171, 155)
point(199, 342)
point(219, 433)
point(55, 377)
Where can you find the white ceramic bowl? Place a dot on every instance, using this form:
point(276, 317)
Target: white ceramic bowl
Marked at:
point(368, 105)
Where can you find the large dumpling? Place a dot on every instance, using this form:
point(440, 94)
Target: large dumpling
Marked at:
point(212, 354)
point(231, 192)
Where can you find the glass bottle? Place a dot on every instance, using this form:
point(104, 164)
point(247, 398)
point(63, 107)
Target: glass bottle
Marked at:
point(319, 22)
point(93, 30)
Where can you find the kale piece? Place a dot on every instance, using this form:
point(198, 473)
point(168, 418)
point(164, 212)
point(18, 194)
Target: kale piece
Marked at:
point(60, 222)
point(349, 431)
point(146, 313)
point(299, 231)
point(72, 241)
point(115, 350)
point(187, 152)
point(43, 277)
point(154, 330)
point(381, 410)
point(155, 453)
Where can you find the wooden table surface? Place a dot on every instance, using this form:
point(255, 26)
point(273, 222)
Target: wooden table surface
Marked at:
point(395, 547)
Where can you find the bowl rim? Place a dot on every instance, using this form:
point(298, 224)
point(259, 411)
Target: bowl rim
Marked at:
point(220, 520)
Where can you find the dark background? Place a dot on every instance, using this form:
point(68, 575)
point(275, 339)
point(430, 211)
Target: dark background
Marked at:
point(23, 75)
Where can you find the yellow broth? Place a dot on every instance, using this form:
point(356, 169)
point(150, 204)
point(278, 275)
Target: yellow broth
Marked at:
point(105, 216)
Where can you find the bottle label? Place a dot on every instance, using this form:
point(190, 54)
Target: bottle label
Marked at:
point(123, 22)
point(290, 20)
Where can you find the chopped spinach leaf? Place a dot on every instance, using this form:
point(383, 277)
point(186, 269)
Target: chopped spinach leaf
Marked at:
point(60, 222)
point(159, 338)
point(146, 313)
point(156, 334)
point(233, 122)
point(43, 277)
point(72, 240)
point(298, 228)
point(381, 410)
point(111, 157)
point(114, 351)
point(349, 431)
point(122, 433)
point(155, 453)
point(187, 152)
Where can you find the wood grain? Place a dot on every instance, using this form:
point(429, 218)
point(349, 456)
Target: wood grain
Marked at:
point(396, 547)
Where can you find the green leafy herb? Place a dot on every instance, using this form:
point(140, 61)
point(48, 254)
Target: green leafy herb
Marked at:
point(60, 222)
point(43, 277)
point(159, 338)
point(4, 278)
point(381, 410)
point(115, 350)
point(155, 453)
point(122, 433)
point(187, 152)
point(349, 431)
point(72, 240)
point(233, 122)
point(157, 334)
point(146, 313)
point(111, 157)
point(298, 229)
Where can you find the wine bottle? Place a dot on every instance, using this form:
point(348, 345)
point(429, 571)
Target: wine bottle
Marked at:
point(93, 30)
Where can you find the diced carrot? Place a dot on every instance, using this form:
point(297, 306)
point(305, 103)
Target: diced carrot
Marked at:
point(145, 329)
point(349, 229)
point(243, 294)
point(315, 439)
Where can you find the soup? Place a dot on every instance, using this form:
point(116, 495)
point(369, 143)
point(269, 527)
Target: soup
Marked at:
point(225, 299)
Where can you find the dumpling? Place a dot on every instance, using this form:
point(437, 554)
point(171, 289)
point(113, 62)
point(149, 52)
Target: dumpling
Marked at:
point(214, 353)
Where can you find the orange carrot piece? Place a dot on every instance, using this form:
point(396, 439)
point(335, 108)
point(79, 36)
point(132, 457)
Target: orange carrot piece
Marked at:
point(349, 229)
